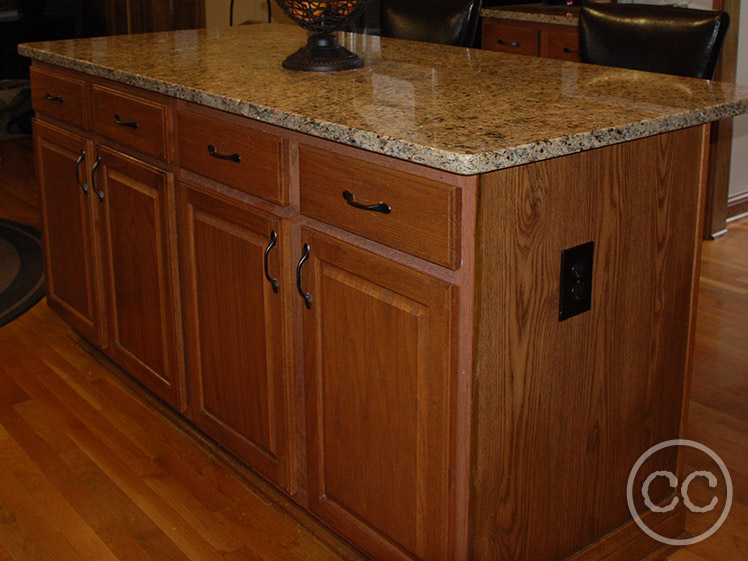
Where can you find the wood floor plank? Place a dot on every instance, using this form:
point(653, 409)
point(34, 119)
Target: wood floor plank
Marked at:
point(87, 505)
point(50, 500)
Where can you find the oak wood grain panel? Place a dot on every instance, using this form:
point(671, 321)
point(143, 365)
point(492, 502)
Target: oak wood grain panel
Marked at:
point(559, 43)
point(511, 37)
point(68, 230)
point(259, 170)
point(564, 409)
point(238, 352)
point(425, 215)
point(379, 366)
point(140, 254)
point(150, 115)
point(60, 95)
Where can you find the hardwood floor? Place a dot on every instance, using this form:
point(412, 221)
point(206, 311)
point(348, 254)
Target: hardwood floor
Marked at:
point(93, 469)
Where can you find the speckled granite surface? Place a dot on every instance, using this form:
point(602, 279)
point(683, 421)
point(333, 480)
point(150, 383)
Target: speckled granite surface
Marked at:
point(460, 110)
point(539, 13)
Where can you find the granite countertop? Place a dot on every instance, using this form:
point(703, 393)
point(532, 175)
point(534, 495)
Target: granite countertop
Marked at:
point(539, 13)
point(461, 110)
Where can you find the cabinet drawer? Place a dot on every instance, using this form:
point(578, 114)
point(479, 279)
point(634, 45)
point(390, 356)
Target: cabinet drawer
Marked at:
point(561, 44)
point(510, 37)
point(60, 96)
point(238, 156)
point(134, 120)
point(423, 217)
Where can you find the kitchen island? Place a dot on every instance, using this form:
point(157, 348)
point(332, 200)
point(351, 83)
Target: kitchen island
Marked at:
point(354, 281)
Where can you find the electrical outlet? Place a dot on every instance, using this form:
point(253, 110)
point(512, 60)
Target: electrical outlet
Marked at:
point(576, 280)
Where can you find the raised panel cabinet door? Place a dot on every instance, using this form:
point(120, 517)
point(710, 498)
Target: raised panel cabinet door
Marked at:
point(236, 302)
point(63, 160)
point(140, 270)
point(379, 376)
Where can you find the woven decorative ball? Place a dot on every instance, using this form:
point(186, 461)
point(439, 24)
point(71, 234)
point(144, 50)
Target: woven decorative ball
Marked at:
point(322, 17)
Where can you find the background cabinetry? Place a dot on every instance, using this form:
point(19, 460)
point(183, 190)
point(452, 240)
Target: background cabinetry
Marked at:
point(141, 16)
point(546, 40)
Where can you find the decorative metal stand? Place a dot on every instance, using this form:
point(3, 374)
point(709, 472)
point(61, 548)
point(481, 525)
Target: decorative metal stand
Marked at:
point(322, 51)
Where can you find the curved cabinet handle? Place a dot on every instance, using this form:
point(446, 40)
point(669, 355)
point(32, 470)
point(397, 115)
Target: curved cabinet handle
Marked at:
point(78, 163)
point(350, 198)
point(130, 124)
point(233, 157)
point(304, 295)
point(49, 97)
point(96, 165)
point(271, 244)
point(509, 43)
point(570, 51)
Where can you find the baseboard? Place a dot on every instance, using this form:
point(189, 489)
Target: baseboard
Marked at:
point(737, 206)
point(630, 543)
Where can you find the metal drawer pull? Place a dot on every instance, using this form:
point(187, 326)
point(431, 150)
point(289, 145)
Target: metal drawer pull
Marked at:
point(384, 208)
point(49, 97)
point(305, 295)
point(78, 163)
point(513, 44)
point(120, 122)
point(233, 157)
point(271, 244)
point(96, 165)
point(573, 51)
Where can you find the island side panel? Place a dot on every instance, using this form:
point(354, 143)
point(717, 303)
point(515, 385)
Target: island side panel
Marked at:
point(563, 410)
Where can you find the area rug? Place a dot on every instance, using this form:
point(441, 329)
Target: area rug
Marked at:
point(21, 269)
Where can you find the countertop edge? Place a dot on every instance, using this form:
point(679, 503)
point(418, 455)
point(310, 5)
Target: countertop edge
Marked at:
point(567, 20)
point(454, 162)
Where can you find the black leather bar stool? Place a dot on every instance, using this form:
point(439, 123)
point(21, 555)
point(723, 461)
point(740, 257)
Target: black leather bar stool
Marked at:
point(449, 22)
point(661, 39)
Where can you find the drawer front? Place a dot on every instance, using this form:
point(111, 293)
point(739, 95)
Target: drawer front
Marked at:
point(512, 38)
point(423, 217)
point(60, 96)
point(142, 123)
point(235, 155)
point(562, 44)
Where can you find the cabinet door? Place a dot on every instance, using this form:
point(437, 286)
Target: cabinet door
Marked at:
point(63, 159)
point(140, 271)
point(560, 44)
point(237, 316)
point(379, 378)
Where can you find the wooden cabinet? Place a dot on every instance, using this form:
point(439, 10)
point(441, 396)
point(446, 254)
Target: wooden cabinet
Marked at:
point(143, 123)
point(546, 40)
point(379, 406)
point(414, 214)
point(237, 286)
point(61, 96)
point(139, 241)
point(378, 339)
point(69, 230)
point(234, 154)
